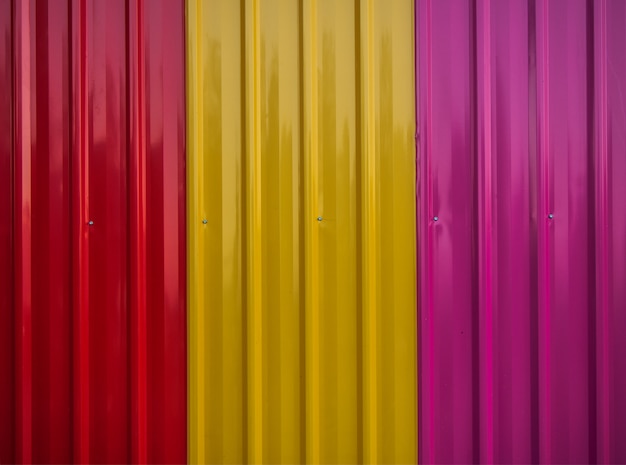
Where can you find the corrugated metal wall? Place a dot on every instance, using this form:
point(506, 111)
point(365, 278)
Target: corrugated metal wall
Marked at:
point(290, 186)
point(7, 346)
point(92, 177)
point(301, 222)
point(522, 231)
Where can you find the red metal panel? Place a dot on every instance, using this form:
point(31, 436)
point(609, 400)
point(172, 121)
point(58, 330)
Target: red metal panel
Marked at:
point(50, 246)
point(7, 341)
point(93, 269)
point(522, 152)
point(107, 121)
point(165, 244)
point(22, 223)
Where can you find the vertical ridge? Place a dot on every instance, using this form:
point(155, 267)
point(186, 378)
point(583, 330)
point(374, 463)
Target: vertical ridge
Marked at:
point(80, 208)
point(22, 219)
point(370, 249)
point(485, 228)
point(602, 240)
point(543, 242)
point(254, 204)
point(302, 237)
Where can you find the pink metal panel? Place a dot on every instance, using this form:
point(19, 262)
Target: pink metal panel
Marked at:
point(522, 149)
point(610, 226)
point(92, 239)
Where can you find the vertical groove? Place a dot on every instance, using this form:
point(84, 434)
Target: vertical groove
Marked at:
point(533, 144)
point(245, 234)
point(476, 230)
point(358, 173)
point(137, 183)
point(370, 250)
point(591, 233)
point(195, 212)
point(7, 422)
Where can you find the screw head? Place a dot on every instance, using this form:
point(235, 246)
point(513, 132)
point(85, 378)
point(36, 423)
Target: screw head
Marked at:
point(205, 221)
point(550, 216)
point(436, 218)
point(90, 223)
point(319, 218)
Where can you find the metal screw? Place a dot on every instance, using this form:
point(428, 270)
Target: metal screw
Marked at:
point(436, 218)
point(319, 218)
point(90, 223)
point(550, 216)
point(204, 221)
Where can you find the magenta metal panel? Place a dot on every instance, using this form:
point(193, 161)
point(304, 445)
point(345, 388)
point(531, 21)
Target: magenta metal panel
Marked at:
point(522, 230)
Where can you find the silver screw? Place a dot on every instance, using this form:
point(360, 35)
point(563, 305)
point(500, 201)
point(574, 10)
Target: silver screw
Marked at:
point(319, 218)
point(90, 223)
point(550, 216)
point(204, 221)
point(436, 218)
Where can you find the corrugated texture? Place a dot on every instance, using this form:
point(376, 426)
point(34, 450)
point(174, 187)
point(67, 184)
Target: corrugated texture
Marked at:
point(522, 156)
point(93, 266)
point(301, 188)
point(7, 317)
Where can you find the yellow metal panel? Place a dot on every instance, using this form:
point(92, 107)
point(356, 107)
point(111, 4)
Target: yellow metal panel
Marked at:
point(302, 282)
point(216, 215)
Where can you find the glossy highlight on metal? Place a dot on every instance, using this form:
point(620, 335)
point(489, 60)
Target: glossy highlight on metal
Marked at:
point(302, 284)
point(522, 155)
point(93, 265)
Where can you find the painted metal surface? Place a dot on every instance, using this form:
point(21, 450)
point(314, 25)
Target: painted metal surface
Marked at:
point(522, 155)
point(301, 198)
point(7, 318)
point(93, 245)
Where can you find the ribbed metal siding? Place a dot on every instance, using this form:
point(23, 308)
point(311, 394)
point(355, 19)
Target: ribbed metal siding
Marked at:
point(7, 346)
point(301, 201)
point(93, 316)
point(522, 158)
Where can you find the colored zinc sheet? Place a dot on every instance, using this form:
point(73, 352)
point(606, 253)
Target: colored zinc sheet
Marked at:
point(301, 198)
point(92, 237)
point(522, 142)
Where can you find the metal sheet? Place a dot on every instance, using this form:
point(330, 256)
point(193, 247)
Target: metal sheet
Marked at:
point(301, 189)
point(92, 237)
point(522, 143)
point(7, 316)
